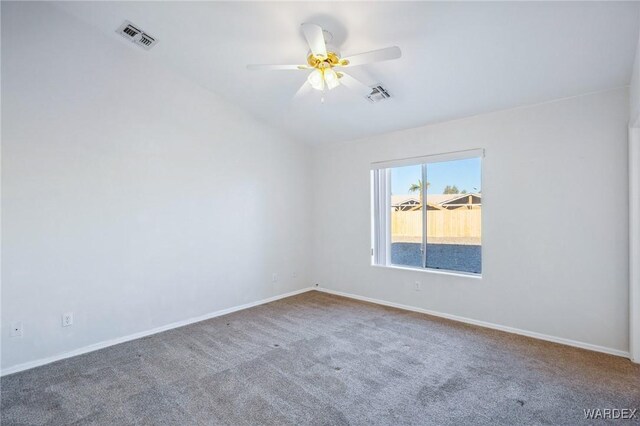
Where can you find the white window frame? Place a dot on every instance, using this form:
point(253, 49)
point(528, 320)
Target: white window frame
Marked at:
point(381, 207)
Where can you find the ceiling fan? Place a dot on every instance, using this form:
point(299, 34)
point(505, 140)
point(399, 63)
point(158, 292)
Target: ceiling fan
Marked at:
point(322, 59)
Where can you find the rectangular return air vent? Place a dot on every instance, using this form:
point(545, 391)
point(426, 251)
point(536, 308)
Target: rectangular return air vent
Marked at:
point(136, 35)
point(378, 93)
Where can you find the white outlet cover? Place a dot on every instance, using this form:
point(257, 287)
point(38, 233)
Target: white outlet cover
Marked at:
point(417, 285)
point(274, 277)
point(67, 319)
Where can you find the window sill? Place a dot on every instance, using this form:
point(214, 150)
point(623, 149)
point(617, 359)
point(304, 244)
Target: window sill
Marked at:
point(431, 271)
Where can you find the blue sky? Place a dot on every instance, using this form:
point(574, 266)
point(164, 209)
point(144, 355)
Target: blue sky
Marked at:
point(465, 174)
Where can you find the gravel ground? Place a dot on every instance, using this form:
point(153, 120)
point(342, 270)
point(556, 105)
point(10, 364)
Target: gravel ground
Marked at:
point(453, 257)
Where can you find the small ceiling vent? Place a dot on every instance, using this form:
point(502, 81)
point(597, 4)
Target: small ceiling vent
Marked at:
point(378, 93)
point(136, 35)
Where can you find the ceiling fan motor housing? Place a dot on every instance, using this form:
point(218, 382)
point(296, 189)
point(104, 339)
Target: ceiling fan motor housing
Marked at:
point(332, 60)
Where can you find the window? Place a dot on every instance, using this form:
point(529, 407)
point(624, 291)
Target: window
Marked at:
point(427, 212)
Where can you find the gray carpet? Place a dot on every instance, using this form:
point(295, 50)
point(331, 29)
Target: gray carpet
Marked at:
point(322, 359)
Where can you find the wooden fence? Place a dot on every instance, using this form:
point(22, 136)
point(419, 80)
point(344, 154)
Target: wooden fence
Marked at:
point(454, 224)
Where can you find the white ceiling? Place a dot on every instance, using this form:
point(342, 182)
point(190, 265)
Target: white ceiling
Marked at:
point(459, 59)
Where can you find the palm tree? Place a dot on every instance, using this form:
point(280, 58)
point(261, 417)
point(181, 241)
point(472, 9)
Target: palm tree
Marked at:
point(417, 187)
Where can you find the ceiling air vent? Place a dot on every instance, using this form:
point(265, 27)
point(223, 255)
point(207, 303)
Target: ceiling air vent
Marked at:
point(136, 35)
point(378, 93)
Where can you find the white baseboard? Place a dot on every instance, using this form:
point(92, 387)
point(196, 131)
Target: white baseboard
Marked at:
point(100, 345)
point(485, 324)
point(118, 340)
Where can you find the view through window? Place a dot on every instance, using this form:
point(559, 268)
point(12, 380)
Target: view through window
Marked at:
point(434, 215)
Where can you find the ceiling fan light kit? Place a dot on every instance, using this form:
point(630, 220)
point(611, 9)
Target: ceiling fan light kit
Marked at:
point(323, 61)
point(323, 77)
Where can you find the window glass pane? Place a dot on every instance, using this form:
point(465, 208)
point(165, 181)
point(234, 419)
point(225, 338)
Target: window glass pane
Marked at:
point(454, 211)
point(406, 216)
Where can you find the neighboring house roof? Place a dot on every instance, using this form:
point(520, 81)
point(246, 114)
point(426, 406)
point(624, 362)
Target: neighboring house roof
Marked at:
point(397, 200)
point(435, 199)
point(439, 199)
point(462, 199)
point(405, 202)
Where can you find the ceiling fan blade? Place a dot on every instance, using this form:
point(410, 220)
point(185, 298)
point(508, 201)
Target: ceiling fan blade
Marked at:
point(267, 67)
point(355, 85)
point(315, 38)
point(302, 91)
point(373, 56)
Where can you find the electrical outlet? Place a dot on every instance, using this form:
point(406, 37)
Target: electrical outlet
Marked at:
point(16, 329)
point(67, 319)
point(417, 286)
point(274, 278)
